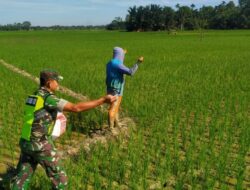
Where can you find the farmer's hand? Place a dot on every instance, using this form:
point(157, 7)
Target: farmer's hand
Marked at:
point(110, 98)
point(140, 59)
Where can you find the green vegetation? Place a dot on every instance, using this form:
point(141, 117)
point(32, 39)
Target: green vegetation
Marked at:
point(190, 101)
point(155, 17)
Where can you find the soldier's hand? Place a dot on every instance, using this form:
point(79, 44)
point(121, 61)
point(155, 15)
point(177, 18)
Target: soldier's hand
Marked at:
point(140, 59)
point(109, 98)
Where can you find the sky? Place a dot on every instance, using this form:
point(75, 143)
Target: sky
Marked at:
point(78, 12)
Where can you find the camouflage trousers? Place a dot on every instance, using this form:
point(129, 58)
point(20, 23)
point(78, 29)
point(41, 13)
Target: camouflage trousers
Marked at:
point(45, 154)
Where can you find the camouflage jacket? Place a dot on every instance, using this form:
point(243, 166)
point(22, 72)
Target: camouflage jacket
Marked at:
point(44, 120)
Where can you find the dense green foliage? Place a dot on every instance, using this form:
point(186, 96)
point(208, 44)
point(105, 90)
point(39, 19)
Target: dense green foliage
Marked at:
point(190, 100)
point(17, 26)
point(155, 17)
point(27, 26)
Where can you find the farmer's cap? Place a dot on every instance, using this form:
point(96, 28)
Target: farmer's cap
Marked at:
point(46, 75)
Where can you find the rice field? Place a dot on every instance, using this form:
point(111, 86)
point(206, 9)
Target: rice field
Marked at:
point(190, 101)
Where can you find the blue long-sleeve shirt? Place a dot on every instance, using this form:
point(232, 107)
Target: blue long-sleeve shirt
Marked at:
point(115, 80)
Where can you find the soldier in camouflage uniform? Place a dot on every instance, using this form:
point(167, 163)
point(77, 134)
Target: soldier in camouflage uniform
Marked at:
point(36, 142)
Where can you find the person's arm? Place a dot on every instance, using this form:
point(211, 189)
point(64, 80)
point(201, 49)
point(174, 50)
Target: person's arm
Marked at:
point(130, 71)
point(84, 106)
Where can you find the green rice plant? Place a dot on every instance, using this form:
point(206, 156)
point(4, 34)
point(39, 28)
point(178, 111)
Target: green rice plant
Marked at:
point(189, 100)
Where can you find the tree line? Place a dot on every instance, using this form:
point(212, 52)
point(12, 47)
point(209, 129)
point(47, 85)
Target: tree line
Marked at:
point(16, 26)
point(27, 26)
point(155, 17)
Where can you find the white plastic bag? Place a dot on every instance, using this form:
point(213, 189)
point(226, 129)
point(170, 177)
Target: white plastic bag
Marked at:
point(60, 125)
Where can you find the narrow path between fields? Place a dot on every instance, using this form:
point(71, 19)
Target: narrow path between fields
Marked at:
point(76, 141)
point(63, 89)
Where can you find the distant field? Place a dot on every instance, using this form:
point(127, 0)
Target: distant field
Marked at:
point(190, 101)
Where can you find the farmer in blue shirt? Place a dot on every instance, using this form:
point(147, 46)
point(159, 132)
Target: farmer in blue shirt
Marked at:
point(115, 81)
